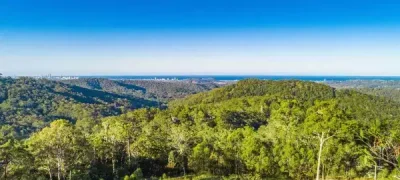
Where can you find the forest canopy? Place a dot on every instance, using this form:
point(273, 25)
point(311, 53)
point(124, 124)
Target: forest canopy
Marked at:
point(252, 129)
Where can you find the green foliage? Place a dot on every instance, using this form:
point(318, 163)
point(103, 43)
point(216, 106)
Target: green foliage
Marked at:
point(250, 130)
point(137, 175)
point(15, 160)
point(28, 104)
point(307, 92)
point(59, 150)
point(160, 90)
point(388, 89)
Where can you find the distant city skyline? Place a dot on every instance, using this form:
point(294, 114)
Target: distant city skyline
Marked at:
point(206, 37)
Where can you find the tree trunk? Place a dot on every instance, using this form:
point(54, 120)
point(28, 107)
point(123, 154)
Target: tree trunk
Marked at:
point(94, 155)
point(183, 166)
point(236, 163)
point(50, 175)
point(113, 167)
point(321, 144)
point(113, 159)
point(5, 170)
point(184, 170)
point(58, 169)
point(376, 172)
point(129, 153)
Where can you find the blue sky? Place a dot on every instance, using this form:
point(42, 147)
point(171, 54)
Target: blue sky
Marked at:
point(141, 37)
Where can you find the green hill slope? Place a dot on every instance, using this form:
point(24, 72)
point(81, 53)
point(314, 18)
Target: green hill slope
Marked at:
point(306, 91)
point(160, 90)
point(271, 128)
point(250, 130)
point(30, 104)
point(251, 99)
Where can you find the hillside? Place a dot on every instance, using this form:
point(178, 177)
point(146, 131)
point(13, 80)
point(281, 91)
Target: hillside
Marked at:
point(30, 104)
point(286, 117)
point(364, 84)
point(255, 94)
point(156, 90)
point(389, 89)
point(307, 91)
point(253, 129)
point(386, 92)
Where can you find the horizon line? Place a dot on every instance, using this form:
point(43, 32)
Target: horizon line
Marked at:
point(243, 75)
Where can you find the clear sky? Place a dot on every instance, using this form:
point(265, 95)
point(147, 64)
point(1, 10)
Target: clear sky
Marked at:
point(143, 37)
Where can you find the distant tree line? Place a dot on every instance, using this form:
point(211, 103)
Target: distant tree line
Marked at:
point(162, 91)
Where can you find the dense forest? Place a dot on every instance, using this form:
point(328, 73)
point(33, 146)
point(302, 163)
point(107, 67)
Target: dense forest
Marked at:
point(28, 104)
point(389, 89)
point(253, 129)
point(149, 89)
point(364, 84)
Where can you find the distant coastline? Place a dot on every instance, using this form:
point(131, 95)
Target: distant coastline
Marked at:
point(241, 77)
point(222, 77)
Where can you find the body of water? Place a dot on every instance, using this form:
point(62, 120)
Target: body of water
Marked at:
point(235, 78)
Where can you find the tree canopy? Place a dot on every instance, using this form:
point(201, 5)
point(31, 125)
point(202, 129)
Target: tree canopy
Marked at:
point(253, 129)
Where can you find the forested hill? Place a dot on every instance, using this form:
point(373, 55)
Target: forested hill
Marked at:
point(267, 95)
point(253, 129)
point(276, 128)
point(28, 104)
point(389, 89)
point(306, 91)
point(156, 90)
point(302, 91)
